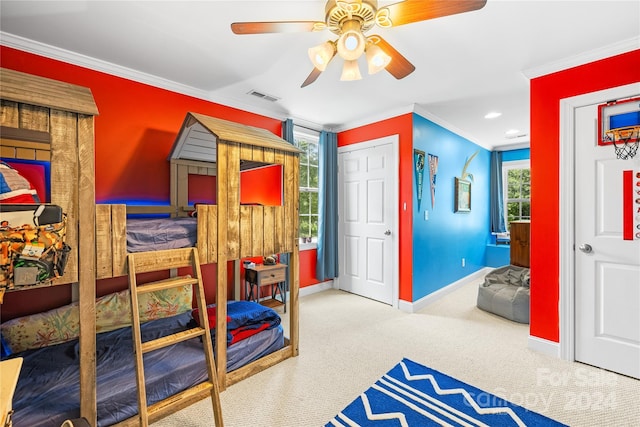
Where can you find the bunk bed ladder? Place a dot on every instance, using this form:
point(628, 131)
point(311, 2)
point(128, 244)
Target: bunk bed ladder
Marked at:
point(142, 262)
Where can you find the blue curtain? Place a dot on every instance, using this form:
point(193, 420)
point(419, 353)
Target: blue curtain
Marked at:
point(287, 135)
point(327, 267)
point(497, 205)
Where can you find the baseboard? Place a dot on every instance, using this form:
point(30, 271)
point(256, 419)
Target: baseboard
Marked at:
point(541, 345)
point(412, 307)
point(314, 289)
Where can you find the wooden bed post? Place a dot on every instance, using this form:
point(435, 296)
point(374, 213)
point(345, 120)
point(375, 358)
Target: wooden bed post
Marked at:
point(222, 198)
point(87, 267)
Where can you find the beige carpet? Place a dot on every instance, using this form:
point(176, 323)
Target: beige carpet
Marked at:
point(347, 342)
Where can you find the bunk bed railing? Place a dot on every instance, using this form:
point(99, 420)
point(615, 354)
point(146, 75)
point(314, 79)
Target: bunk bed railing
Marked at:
point(259, 230)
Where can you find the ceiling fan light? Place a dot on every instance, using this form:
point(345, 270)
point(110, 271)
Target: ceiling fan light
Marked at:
point(350, 71)
point(377, 59)
point(321, 55)
point(351, 42)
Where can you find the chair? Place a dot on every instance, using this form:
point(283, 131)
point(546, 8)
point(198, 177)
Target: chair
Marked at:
point(505, 292)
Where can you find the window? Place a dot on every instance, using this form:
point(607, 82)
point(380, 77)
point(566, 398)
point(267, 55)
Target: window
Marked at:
point(307, 141)
point(516, 178)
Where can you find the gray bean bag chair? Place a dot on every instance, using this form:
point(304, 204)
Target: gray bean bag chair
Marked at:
point(505, 292)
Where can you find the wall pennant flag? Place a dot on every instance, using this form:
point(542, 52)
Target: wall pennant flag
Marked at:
point(433, 170)
point(418, 161)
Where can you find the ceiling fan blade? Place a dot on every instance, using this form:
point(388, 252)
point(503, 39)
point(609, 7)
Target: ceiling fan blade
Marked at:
point(408, 11)
point(312, 77)
point(277, 27)
point(399, 67)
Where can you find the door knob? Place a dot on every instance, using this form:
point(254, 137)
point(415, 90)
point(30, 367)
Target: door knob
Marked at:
point(387, 233)
point(586, 248)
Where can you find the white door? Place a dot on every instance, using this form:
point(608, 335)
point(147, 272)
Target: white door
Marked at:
point(367, 208)
point(607, 268)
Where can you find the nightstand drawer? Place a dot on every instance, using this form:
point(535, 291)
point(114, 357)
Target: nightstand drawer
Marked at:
point(272, 276)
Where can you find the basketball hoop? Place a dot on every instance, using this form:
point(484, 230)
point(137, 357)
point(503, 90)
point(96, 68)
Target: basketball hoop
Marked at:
point(625, 141)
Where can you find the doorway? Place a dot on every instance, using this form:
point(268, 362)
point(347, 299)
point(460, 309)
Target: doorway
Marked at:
point(368, 225)
point(599, 288)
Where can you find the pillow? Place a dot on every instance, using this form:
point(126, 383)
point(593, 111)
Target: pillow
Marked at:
point(113, 311)
point(15, 188)
point(42, 329)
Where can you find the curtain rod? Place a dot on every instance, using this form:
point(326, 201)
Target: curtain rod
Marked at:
point(306, 127)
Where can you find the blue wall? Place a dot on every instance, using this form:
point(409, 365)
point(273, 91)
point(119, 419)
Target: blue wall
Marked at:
point(440, 243)
point(519, 154)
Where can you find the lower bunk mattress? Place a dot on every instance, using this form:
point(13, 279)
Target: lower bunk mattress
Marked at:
point(48, 388)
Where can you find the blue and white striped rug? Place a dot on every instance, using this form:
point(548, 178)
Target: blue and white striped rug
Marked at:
point(412, 395)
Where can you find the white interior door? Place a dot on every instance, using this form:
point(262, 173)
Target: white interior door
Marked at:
point(607, 268)
point(367, 229)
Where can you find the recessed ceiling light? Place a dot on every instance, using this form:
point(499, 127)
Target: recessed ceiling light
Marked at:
point(512, 132)
point(492, 115)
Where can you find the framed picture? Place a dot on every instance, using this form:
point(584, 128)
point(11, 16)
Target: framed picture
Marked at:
point(462, 196)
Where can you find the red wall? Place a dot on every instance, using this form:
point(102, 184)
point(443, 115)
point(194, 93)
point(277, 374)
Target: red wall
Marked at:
point(262, 186)
point(403, 127)
point(308, 263)
point(546, 93)
point(135, 130)
point(136, 127)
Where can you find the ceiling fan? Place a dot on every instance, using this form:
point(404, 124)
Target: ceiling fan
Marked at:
point(350, 20)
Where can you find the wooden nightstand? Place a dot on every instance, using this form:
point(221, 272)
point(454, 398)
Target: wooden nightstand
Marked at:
point(262, 275)
point(9, 373)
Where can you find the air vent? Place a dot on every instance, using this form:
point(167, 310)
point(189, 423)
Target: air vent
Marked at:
point(263, 96)
point(515, 135)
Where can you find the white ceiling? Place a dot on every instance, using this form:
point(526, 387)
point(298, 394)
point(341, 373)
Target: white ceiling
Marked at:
point(466, 64)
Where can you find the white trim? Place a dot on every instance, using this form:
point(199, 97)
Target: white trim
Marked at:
point(448, 126)
point(417, 109)
point(506, 166)
point(373, 118)
point(584, 58)
point(395, 227)
point(409, 307)
point(48, 51)
point(314, 289)
point(566, 304)
point(74, 58)
point(543, 346)
point(514, 146)
point(307, 246)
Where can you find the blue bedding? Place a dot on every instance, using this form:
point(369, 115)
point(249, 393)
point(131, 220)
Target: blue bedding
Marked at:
point(161, 233)
point(48, 388)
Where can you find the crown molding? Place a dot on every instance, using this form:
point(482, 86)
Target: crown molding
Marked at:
point(373, 118)
point(614, 49)
point(514, 146)
point(413, 108)
point(440, 122)
point(63, 55)
point(78, 59)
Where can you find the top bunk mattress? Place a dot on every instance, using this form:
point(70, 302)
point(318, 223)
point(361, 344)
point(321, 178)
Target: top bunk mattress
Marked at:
point(155, 234)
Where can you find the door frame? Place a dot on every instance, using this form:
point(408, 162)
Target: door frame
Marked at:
point(394, 140)
point(566, 305)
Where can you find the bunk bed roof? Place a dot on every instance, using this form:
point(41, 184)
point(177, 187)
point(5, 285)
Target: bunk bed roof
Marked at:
point(21, 87)
point(197, 137)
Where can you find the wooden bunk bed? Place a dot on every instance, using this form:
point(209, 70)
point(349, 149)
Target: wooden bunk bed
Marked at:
point(48, 120)
point(226, 231)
